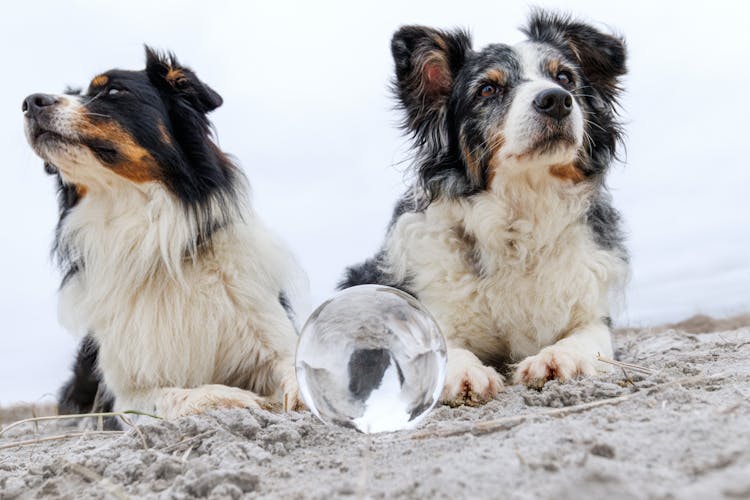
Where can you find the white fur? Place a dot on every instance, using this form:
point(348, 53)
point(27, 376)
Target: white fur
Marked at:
point(176, 325)
point(537, 277)
point(165, 319)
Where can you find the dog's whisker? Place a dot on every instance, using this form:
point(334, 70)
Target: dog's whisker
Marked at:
point(94, 98)
point(88, 113)
point(593, 123)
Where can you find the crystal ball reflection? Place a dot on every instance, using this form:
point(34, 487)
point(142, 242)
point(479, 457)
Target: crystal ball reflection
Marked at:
point(372, 358)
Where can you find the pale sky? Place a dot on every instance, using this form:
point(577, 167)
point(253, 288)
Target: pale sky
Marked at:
point(308, 115)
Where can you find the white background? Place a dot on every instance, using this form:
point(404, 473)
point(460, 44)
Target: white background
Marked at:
point(308, 115)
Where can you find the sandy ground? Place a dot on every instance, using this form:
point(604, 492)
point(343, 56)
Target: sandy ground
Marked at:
point(682, 431)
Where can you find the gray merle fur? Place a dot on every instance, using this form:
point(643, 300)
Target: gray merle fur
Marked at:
point(437, 114)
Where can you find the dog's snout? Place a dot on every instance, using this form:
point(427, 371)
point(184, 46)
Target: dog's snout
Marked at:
point(556, 103)
point(35, 103)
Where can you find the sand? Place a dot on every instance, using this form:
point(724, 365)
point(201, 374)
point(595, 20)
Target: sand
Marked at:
point(682, 431)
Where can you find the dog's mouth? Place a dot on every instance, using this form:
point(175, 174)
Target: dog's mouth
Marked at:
point(48, 144)
point(44, 139)
point(553, 141)
point(41, 136)
point(552, 137)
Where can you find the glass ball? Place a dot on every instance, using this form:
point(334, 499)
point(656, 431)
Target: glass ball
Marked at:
point(372, 358)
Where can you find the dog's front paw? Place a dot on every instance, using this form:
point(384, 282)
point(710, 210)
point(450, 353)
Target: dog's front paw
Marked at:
point(552, 363)
point(468, 381)
point(206, 398)
point(292, 399)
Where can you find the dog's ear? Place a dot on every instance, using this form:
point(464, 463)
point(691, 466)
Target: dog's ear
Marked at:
point(601, 56)
point(201, 169)
point(167, 74)
point(427, 61)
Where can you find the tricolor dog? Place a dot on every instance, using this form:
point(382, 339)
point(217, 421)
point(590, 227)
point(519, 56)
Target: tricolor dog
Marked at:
point(184, 296)
point(508, 235)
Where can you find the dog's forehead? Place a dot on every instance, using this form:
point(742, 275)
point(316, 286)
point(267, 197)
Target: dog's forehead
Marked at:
point(531, 56)
point(498, 55)
point(491, 58)
point(121, 76)
point(536, 57)
point(523, 61)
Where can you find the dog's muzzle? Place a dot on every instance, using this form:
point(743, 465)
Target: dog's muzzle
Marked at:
point(36, 104)
point(555, 103)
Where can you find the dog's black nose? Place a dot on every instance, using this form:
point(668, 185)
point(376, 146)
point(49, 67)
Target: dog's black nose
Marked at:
point(555, 103)
point(35, 103)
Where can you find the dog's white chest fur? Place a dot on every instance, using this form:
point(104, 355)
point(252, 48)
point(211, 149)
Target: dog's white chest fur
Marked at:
point(167, 315)
point(506, 273)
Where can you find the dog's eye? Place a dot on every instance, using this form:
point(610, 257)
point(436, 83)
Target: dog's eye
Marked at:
point(114, 91)
point(564, 78)
point(488, 90)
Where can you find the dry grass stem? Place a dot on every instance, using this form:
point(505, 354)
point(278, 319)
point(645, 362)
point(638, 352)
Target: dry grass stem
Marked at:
point(629, 366)
point(35, 420)
point(136, 429)
point(500, 424)
point(189, 441)
point(59, 437)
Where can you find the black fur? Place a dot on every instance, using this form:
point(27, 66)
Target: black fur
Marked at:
point(407, 203)
point(366, 368)
point(371, 272)
point(605, 223)
point(196, 171)
point(80, 391)
point(67, 198)
point(417, 50)
point(190, 163)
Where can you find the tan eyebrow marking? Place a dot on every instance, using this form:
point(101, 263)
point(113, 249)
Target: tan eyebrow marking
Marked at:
point(100, 81)
point(496, 75)
point(553, 66)
point(174, 76)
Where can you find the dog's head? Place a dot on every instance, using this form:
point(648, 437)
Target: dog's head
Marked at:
point(137, 126)
point(546, 105)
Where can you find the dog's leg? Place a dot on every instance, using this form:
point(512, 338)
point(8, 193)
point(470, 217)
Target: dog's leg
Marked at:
point(79, 394)
point(288, 392)
point(468, 381)
point(174, 402)
point(570, 357)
